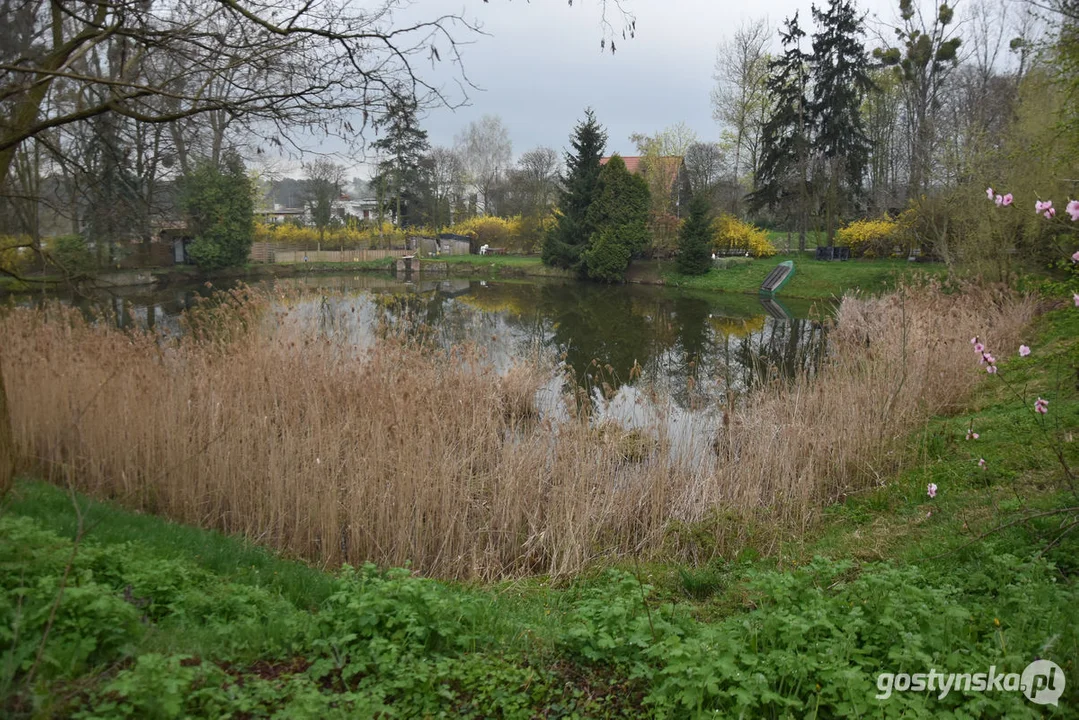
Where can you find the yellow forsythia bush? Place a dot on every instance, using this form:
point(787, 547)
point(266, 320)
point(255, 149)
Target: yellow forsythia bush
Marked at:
point(870, 238)
point(728, 232)
point(361, 236)
point(489, 230)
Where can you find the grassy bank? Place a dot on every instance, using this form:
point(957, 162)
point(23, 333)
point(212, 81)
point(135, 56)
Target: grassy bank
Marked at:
point(164, 620)
point(812, 278)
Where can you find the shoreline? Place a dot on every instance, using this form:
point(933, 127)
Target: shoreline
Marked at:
point(813, 279)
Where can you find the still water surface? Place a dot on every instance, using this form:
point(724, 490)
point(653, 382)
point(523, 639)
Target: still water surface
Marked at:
point(642, 354)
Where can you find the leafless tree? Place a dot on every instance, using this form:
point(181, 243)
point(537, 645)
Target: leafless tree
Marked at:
point(448, 180)
point(323, 182)
point(739, 98)
point(486, 149)
point(661, 157)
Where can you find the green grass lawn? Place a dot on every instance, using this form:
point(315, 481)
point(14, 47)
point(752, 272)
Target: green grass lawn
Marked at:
point(812, 278)
point(162, 620)
point(813, 239)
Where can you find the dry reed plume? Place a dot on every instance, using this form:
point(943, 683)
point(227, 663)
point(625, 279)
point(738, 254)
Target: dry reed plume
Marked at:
point(405, 453)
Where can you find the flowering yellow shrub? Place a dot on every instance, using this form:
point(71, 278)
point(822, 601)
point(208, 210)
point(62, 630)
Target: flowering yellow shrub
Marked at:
point(361, 236)
point(868, 237)
point(728, 232)
point(516, 232)
point(489, 230)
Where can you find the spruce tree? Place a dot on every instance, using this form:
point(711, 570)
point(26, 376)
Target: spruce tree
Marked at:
point(841, 80)
point(695, 239)
point(402, 178)
point(570, 236)
point(783, 179)
point(619, 216)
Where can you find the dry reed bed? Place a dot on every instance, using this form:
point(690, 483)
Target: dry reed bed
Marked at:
point(404, 453)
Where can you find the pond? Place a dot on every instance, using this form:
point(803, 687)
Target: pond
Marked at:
point(640, 354)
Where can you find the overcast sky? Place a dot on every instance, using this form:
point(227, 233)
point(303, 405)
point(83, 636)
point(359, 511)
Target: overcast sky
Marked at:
point(540, 65)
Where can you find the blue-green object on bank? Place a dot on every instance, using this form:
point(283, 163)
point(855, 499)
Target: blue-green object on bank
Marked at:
point(777, 278)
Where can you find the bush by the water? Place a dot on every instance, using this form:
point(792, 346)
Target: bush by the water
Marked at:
point(729, 233)
point(868, 238)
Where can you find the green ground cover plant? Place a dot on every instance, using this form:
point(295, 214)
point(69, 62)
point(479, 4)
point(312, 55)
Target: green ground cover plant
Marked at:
point(106, 613)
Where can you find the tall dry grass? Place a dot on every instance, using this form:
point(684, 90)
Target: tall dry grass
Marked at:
point(406, 453)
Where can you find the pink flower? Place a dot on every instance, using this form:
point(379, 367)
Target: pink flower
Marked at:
point(1040, 206)
point(999, 200)
point(1041, 406)
point(989, 193)
point(1073, 210)
point(1075, 297)
point(1050, 213)
point(1007, 200)
point(974, 340)
point(992, 369)
point(981, 463)
point(1023, 351)
point(1075, 256)
point(931, 490)
point(979, 348)
point(989, 358)
point(971, 435)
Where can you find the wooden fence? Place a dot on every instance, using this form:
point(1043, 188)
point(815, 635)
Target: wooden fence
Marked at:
point(262, 252)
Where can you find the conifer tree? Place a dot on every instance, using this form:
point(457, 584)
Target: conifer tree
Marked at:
point(619, 216)
point(840, 79)
point(786, 139)
point(570, 236)
point(695, 239)
point(402, 178)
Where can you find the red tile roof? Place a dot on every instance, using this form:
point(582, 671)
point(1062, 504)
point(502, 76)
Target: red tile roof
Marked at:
point(633, 163)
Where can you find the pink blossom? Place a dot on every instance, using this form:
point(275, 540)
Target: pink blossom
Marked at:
point(1075, 256)
point(974, 340)
point(999, 200)
point(992, 369)
point(979, 348)
point(1050, 213)
point(971, 435)
point(1023, 351)
point(981, 463)
point(1075, 297)
point(989, 358)
point(1041, 406)
point(989, 193)
point(1007, 200)
point(1073, 210)
point(931, 490)
point(1040, 206)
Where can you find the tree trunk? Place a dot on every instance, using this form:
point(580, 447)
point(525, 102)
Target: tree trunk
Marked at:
point(7, 442)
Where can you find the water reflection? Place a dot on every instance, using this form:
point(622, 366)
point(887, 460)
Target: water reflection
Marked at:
point(635, 353)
